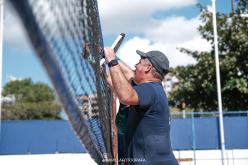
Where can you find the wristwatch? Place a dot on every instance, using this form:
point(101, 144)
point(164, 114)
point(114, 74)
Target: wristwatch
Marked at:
point(113, 63)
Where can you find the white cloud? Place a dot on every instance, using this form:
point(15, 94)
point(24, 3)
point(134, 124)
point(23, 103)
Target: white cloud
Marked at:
point(136, 17)
point(13, 32)
point(125, 16)
point(165, 34)
point(13, 78)
point(128, 52)
point(172, 29)
point(169, 35)
point(197, 43)
point(210, 8)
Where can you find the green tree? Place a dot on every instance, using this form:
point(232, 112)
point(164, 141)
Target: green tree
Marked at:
point(33, 101)
point(27, 110)
point(26, 91)
point(198, 82)
point(242, 7)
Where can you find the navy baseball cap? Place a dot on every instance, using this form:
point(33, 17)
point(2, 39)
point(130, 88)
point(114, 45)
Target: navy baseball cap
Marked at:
point(158, 59)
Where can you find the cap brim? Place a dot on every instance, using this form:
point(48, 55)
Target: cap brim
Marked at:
point(142, 54)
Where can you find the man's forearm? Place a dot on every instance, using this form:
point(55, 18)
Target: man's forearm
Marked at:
point(126, 70)
point(123, 88)
point(121, 85)
point(109, 80)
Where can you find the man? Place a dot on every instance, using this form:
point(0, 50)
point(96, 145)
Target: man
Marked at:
point(148, 129)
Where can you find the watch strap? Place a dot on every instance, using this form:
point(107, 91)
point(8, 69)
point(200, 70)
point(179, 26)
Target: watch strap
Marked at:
point(113, 63)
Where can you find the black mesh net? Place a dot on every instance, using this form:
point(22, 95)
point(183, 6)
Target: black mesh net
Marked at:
point(58, 29)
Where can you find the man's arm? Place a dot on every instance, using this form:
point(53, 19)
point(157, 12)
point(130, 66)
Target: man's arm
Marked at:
point(126, 70)
point(122, 87)
point(108, 78)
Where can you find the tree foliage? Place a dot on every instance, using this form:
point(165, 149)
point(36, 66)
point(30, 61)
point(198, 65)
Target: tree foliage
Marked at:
point(33, 101)
point(27, 110)
point(27, 91)
point(242, 7)
point(198, 87)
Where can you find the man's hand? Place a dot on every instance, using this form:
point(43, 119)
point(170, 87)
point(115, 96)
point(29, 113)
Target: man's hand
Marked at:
point(109, 54)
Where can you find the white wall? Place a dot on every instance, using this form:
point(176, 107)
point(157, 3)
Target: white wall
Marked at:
point(47, 159)
point(203, 157)
point(213, 157)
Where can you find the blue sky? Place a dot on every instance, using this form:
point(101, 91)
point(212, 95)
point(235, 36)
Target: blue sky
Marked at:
point(157, 24)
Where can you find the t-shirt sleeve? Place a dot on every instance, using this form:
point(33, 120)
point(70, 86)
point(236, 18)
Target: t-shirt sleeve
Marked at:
point(146, 95)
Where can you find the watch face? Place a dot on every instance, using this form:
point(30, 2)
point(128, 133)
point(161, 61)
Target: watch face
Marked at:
point(113, 63)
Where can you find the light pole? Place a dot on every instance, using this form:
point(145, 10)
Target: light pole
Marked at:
point(1, 57)
point(217, 66)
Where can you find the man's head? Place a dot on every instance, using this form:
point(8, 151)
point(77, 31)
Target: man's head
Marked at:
point(152, 62)
point(158, 60)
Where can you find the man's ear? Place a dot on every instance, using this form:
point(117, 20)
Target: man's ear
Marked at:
point(148, 68)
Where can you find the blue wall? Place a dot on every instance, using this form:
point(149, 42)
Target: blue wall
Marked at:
point(39, 136)
point(203, 133)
